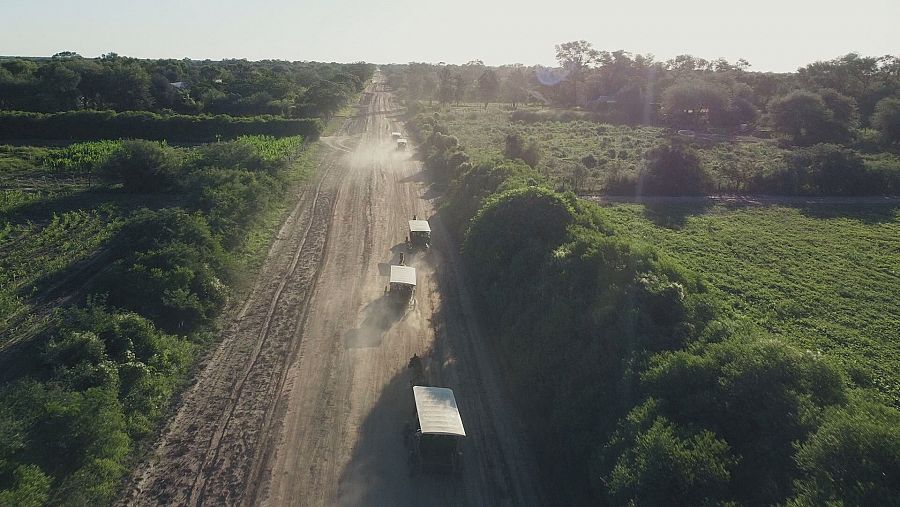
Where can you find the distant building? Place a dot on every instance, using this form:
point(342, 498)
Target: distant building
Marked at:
point(181, 85)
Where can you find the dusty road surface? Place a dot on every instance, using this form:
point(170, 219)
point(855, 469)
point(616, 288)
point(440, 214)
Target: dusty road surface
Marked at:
point(305, 400)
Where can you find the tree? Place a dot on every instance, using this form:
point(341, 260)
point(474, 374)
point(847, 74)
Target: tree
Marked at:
point(575, 57)
point(695, 103)
point(829, 169)
point(125, 85)
point(488, 86)
point(853, 457)
point(445, 85)
point(429, 86)
point(758, 394)
point(674, 169)
point(64, 55)
point(843, 108)
point(459, 87)
point(803, 116)
point(514, 89)
point(667, 465)
point(887, 120)
point(143, 166)
point(57, 87)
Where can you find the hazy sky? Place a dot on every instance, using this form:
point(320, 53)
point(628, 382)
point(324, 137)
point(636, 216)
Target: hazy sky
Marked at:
point(778, 35)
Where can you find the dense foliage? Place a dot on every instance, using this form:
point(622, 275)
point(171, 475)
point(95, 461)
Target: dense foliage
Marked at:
point(67, 82)
point(744, 125)
point(92, 125)
point(92, 380)
point(821, 102)
point(641, 387)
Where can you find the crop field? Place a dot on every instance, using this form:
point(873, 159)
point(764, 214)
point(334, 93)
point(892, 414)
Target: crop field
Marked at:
point(48, 222)
point(55, 215)
point(823, 278)
point(619, 150)
point(75, 223)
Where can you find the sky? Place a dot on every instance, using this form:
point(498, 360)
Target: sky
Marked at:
point(773, 35)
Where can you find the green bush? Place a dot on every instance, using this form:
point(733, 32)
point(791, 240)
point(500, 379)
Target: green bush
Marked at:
point(517, 148)
point(30, 487)
point(829, 169)
point(513, 232)
point(171, 270)
point(886, 120)
point(664, 464)
point(852, 458)
point(232, 199)
point(84, 426)
point(673, 169)
point(143, 166)
point(758, 395)
point(469, 191)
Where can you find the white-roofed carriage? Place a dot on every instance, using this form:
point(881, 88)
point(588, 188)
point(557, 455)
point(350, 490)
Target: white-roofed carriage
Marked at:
point(402, 284)
point(434, 440)
point(419, 234)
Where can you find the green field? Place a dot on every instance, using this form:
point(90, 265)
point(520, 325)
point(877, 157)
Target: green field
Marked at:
point(825, 278)
point(618, 149)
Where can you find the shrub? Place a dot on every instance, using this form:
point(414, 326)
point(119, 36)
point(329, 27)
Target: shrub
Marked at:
point(824, 169)
point(513, 231)
point(666, 464)
point(30, 487)
point(852, 458)
point(517, 148)
point(143, 166)
point(171, 270)
point(758, 395)
point(886, 120)
point(673, 169)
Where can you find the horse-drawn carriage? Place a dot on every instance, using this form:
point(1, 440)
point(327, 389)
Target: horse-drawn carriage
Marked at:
point(419, 234)
point(402, 284)
point(434, 437)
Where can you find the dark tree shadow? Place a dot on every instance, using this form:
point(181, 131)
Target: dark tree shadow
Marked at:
point(379, 471)
point(867, 213)
point(674, 215)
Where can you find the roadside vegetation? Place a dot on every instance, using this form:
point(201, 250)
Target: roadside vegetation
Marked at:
point(715, 363)
point(619, 123)
point(143, 243)
point(117, 256)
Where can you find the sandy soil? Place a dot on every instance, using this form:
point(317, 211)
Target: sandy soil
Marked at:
point(305, 399)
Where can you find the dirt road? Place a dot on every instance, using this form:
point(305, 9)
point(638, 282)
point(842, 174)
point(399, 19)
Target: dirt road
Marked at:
point(304, 401)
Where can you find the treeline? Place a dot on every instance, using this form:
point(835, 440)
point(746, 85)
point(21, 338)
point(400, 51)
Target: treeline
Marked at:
point(837, 122)
point(640, 389)
point(96, 125)
point(82, 395)
point(674, 167)
point(826, 101)
point(66, 81)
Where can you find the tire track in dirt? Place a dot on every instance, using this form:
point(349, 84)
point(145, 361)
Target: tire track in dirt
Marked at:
point(205, 454)
point(338, 440)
